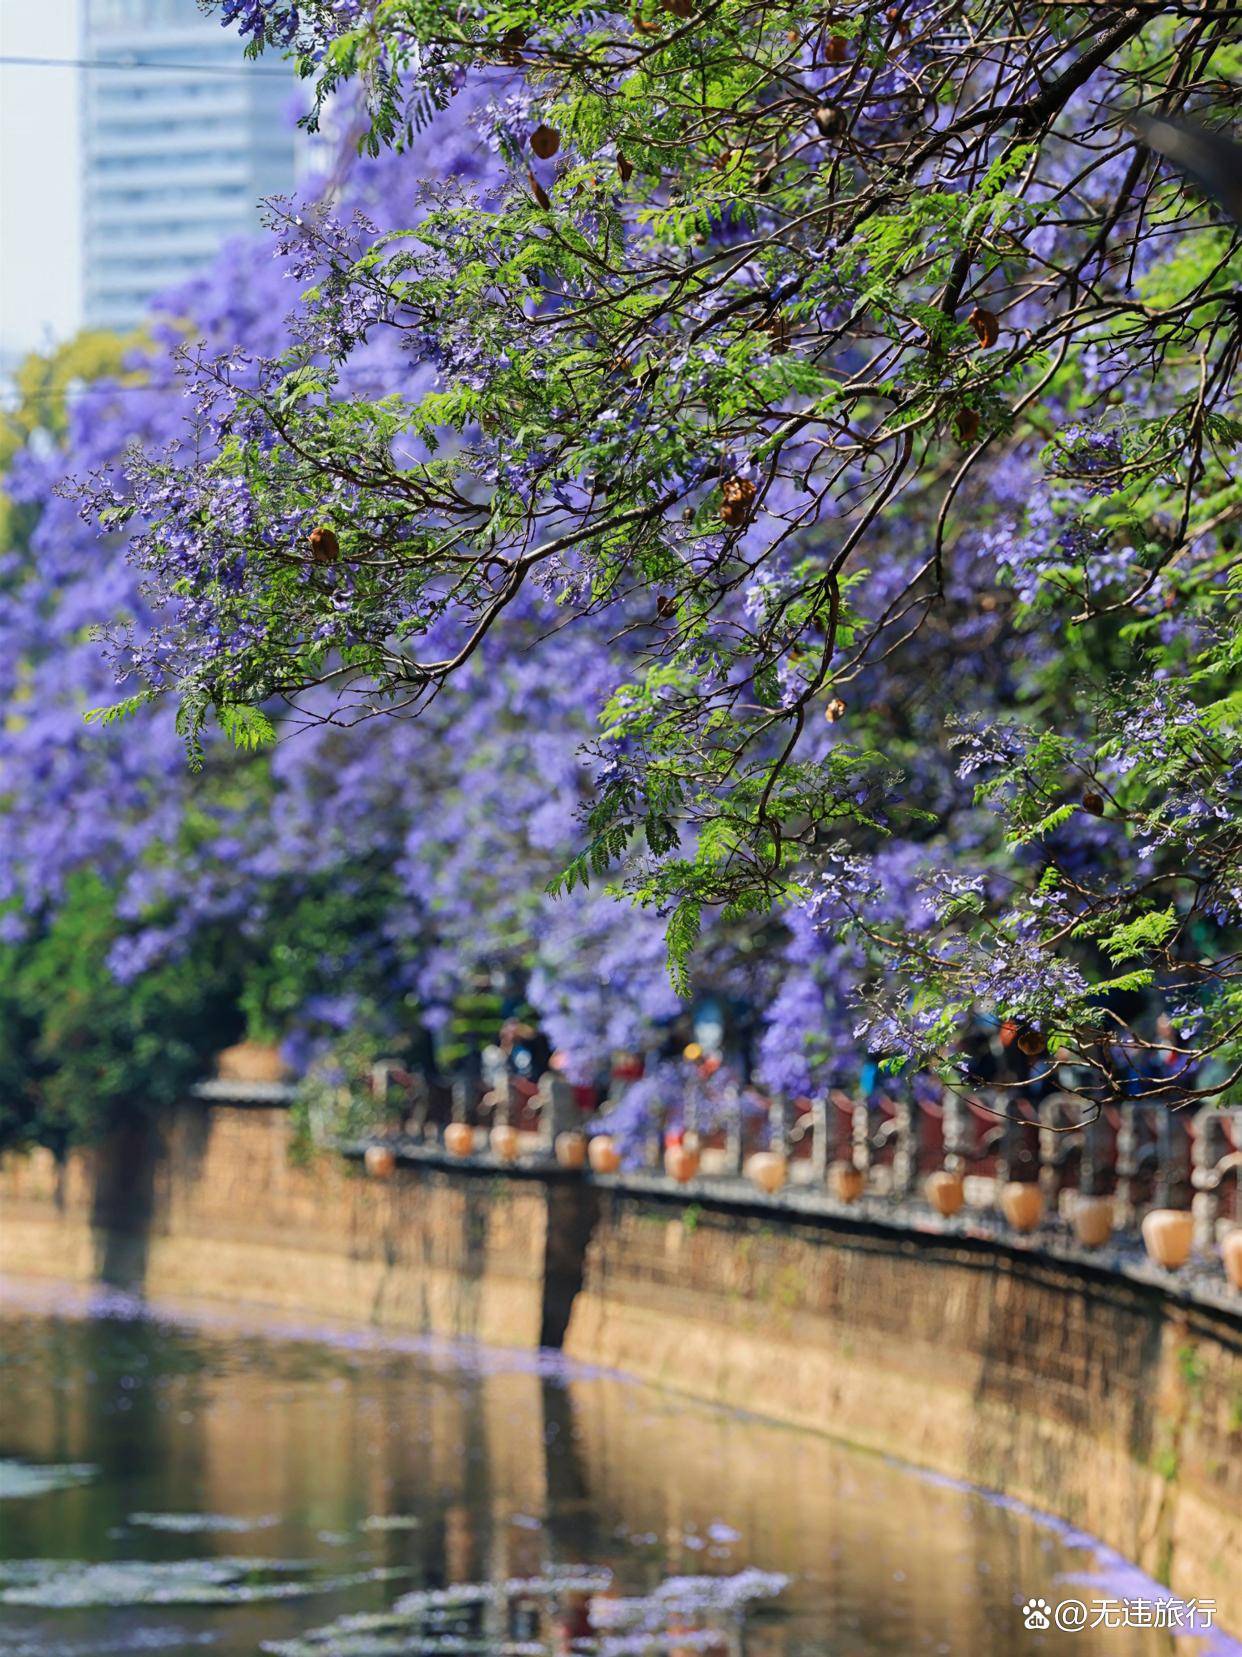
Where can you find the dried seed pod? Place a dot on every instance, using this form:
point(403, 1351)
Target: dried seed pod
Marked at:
point(680, 8)
point(625, 169)
point(738, 503)
point(986, 326)
point(1094, 803)
point(511, 43)
point(830, 121)
point(1032, 1043)
point(645, 26)
point(537, 190)
point(835, 49)
point(545, 141)
point(966, 425)
point(666, 606)
point(324, 546)
point(777, 329)
point(687, 514)
point(835, 710)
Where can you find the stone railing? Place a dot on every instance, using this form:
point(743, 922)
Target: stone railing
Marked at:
point(1135, 1186)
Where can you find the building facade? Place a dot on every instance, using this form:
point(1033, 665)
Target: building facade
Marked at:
point(181, 142)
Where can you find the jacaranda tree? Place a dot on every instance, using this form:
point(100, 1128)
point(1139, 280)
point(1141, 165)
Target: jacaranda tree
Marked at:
point(852, 386)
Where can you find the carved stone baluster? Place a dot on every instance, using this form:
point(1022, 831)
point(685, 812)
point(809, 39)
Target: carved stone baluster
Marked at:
point(556, 1109)
point(1047, 1152)
point(821, 1115)
point(1171, 1159)
point(1205, 1204)
point(778, 1124)
point(654, 1151)
point(734, 1130)
point(1006, 1138)
point(460, 1092)
point(1090, 1164)
point(956, 1133)
point(908, 1115)
point(860, 1135)
point(1127, 1167)
point(1056, 1148)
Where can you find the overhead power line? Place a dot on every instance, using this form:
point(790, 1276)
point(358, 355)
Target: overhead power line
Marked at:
point(129, 63)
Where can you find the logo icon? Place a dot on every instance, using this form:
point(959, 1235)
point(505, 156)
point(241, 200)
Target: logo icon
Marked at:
point(1035, 1614)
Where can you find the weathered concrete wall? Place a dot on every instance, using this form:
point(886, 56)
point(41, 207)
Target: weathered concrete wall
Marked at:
point(1092, 1397)
point(1084, 1396)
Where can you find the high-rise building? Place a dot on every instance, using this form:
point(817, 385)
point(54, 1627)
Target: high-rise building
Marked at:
point(180, 144)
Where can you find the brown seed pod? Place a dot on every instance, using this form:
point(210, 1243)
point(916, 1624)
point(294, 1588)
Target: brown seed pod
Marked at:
point(511, 43)
point(1032, 1043)
point(666, 606)
point(680, 8)
point(324, 546)
point(645, 26)
point(738, 502)
point(1094, 803)
point(986, 326)
point(835, 710)
point(778, 331)
point(545, 141)
point(830, 121)
point(835, 49)
point(966, 425)
point(625, 169)
point(537, 190)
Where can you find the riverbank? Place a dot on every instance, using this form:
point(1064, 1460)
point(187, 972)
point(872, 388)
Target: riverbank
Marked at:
point(1106, 1401)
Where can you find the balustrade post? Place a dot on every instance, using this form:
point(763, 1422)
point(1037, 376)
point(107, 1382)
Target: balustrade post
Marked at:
point(860, 1136)
point(1127, 1167)
point(459, 1093)
point(1053, 1147)
point(653, 1147)
point(1205, 1204)
point(908, 1117)
point(1006, 1141)
point(956, 1140)
point(734, 1130)
point(556, 1109)
point(1171, 1158)
point(1091, 1162)
point(778, 1124)
point(821, 1115)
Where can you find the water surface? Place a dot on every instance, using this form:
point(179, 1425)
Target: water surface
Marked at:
point(183, 1484)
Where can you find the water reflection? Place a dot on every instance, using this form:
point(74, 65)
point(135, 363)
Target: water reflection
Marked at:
point(256, 1493)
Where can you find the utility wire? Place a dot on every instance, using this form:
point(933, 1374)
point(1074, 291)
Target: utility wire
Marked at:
point(7, 61)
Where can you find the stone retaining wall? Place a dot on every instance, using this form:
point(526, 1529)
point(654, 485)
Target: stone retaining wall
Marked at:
point(1090, 1398)
point(212, 1204)
point(1105, 1401)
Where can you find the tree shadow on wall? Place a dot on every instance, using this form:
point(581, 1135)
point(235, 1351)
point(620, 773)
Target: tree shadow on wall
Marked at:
point(123, 1204)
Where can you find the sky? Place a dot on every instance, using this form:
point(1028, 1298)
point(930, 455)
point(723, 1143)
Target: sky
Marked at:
point(40, 277)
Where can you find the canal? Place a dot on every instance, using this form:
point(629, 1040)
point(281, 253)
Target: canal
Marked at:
point(196, 1482)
